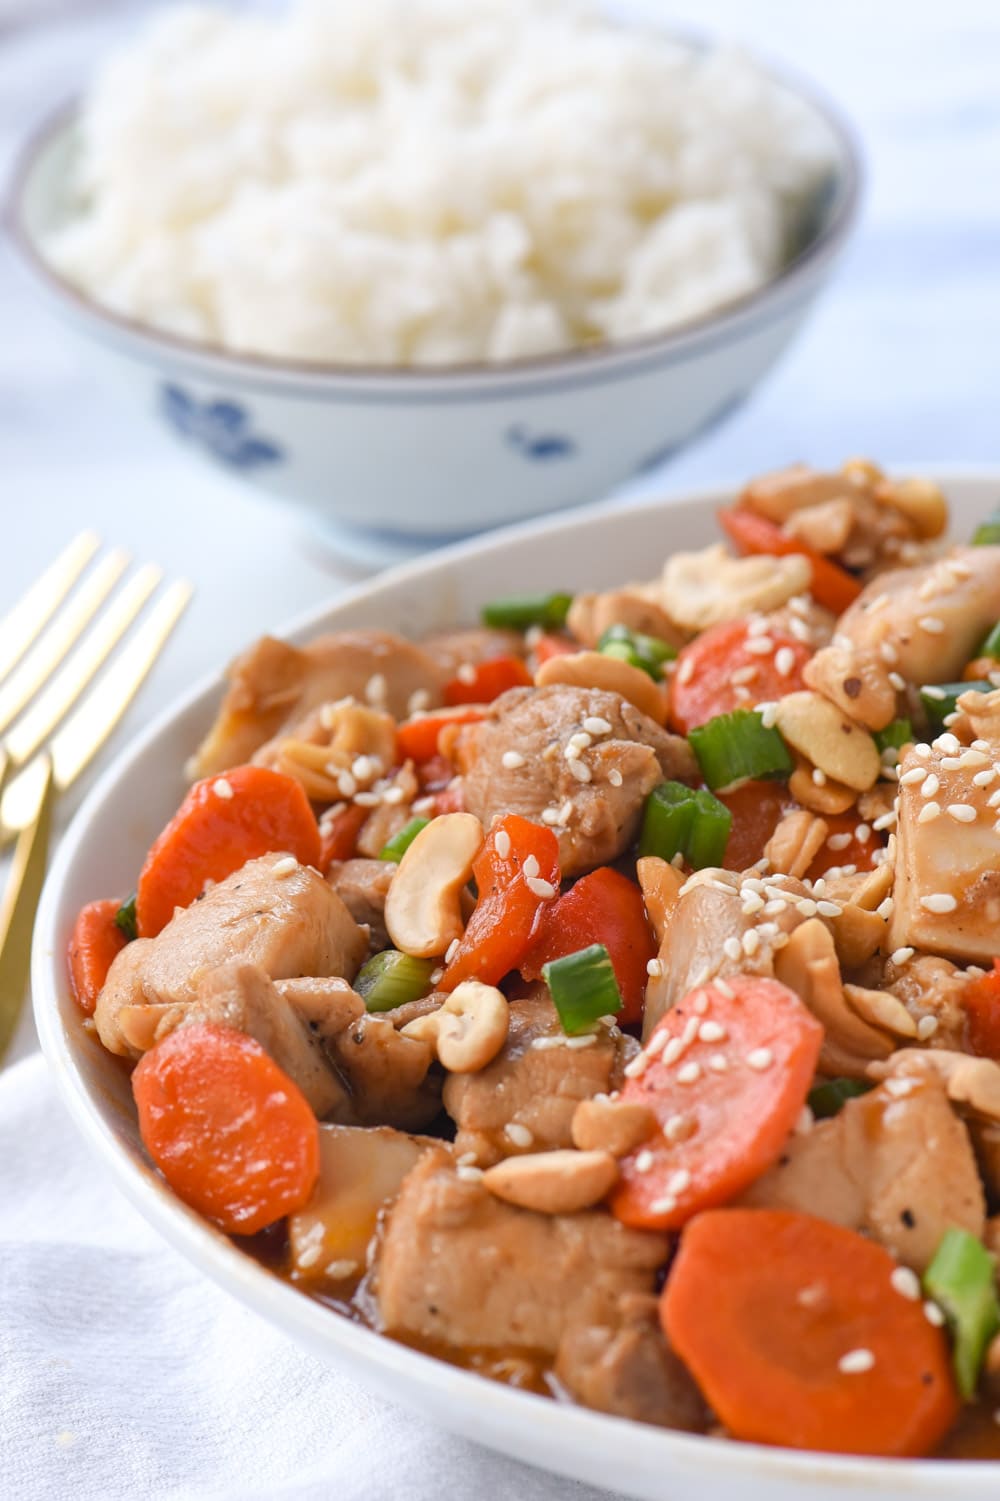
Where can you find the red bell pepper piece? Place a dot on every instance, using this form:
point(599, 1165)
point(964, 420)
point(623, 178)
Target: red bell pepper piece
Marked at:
point(486, 681)
point(603, 907)
point(981, 1000)
point(832, 586)
point(503, 924)
point(338, 835)
point(417, 739)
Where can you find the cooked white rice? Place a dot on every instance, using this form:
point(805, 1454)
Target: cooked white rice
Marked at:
point(430, 181)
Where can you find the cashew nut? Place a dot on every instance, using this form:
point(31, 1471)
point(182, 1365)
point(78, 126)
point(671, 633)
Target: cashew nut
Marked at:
point(920, 501)
point(700, 589)
point(881, 1009)
point(560, 1182)
point(795, 843)
point(468, 1030)
point(838, 746)
point(825, 527)
point(601, 1124)
point(423, 913)
point(782, 493)
point(591, 669)
point(661, 886)
point(857, 681)
point(590, 615)
point(808, 965)
point(334, 739)
point(825, 796)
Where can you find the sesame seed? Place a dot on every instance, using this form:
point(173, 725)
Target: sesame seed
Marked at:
point(615, 777)
point(888, 653)
point(393, 795)
point(819, 777)
point(914, 775)
point(581, 740)
point(540, 888)
point(678, 1127)
point(571, 752)
point(644, 1161)
point(732, 948)
point(900, 1088)
point(469, 1174)
point(744, 675)
point(666, 1205)
point(595, 725)
point(939, 901)
point(760, 1059)
point(902, 955)
point(761, 646)
point(897, 681)
point(806, 906)
point(784, 660)
point(961, 812)
point(768, 715)
point(580, 770)
point(637, 1067)
point(928, 812)
point(838, 841)
point(654, 969)
point(588, 1040)
point(929, 691)
point(531, 867)
point(951, 763)
point(753, 902)
point(804, 1121)
point(700, 1002)
point(679, 1181)
point(906, 1283)
point(364, 768)
point(512, 760)
point(829, 909)
point(375, 688)
point(931, 624)
point(550, 816)
point(222, 788)
point(926, 1027)
point(346, 785)
point(948, 743)
point(750, 942)
point(886, 908)
point(800, 630)
point(418, 700)
point(689, 1073)
point(339, 1271)
point(718, 1063)
point(685, 671)
point(855, 1362)
point(887, 821)
point(285, 866)
point(727, 990)
point(984, 778)
point(712, 1032)
point(435, 975)
point(501, 843)
point(933, 1314)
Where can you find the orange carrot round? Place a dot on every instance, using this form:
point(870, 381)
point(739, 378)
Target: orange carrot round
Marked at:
point(95, 942)
point(728, 1073)
point(222, 823)
point(796, 1334)
point(234, 1137)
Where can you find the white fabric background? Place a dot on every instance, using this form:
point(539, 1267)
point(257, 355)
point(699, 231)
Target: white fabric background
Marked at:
point(121, 1374)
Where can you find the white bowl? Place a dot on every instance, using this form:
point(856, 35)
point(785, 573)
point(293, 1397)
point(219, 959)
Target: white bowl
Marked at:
point(100, 856)
point(421, 456)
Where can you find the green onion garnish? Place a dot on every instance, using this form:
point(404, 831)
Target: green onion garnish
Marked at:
point(991, 646)
point(895, 735)
point(831, 1096)
point(962, 1280)
point(648, 653)
point(678, 820)
point(392, 979)
point(941, 699)
point(397, 846)
point(583, 987)
point(125, 919)
point(518, 612)
point(987, 533)
point(736, 747)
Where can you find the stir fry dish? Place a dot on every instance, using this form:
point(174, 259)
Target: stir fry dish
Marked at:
point(606, 997)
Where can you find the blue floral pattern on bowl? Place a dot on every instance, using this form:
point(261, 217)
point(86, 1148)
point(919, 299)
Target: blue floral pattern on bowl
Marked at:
point(221, 426)
point(540, 447)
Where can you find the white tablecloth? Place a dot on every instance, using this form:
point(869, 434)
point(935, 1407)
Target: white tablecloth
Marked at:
point(121, 1373)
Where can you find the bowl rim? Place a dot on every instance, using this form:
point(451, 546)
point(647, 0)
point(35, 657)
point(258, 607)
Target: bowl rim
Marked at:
point(733, 320)
point(500, 1414)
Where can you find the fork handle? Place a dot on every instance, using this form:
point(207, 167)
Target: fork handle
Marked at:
point(18, 907)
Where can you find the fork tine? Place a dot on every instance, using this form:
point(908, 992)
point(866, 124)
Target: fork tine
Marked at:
point(18, 907)
point(65, 688)
point(25, 681)
point(37, 606)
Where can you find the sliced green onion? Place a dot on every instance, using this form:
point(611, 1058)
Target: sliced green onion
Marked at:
point(125, 919)
point(518, 612)
point(736, 747)
point(832, 1095)
point(987, 533)
point(648, 653)
point(392, 979)
point(962, 1281)
point(709, 832)
point(678, 820)
point(397, 846)
point(895, 735)
point(583, 987)
point(941, 699)
point(991, 646)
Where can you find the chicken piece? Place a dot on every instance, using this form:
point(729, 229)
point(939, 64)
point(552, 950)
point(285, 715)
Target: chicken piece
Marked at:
point(947, 888)
point(526, 1097)
point(274, 685)
point(630, 1371)
point(450, 650)
point(931, 987)
point(590, 615)
point(808, 965)
point(363, 886)
point(595, 810)
point(921, 623)
point(804, 619)
point(783, 493)
point(389, 1076)
point(288, 925)
point(896, 1163)
point(459, 1267)
point(328, 1005)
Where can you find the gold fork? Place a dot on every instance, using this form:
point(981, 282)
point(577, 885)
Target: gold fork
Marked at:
point(53, 644)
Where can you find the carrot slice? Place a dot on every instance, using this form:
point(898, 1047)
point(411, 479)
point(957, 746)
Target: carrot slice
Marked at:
point(713, 673)
point(848, 848)
point(417, 739)
point(232, 1134)
point(756, 808)
point(221, 824)
point(832, 586)
point(482, 683)
point(795, 1333)
point(95, 943)
point(727, 1076)
point(339, 835)
point(981, 1003)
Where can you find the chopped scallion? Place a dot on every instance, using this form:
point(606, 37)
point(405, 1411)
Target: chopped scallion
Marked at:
point(583, 987)
point(679, 820)
point(941, 699)
point(895, 735)
point(987, 533)
point(518, 612)
point(962, 1281)
point(397, 846)
point(991, 646)
point(125, 919)
point(392, 979)
point(648, 653)
point(831, 1096)
point(736, 747)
